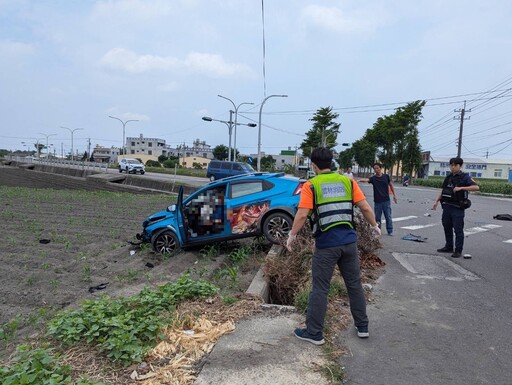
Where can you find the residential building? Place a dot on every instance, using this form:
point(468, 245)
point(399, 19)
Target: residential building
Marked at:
point(105, 154)
point(198, 149)
point(475, 167)
point(149, 148)
point(189, 161)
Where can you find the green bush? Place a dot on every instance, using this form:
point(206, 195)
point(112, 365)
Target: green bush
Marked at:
point(35, 366)
point(153, 163)
point(169, 163)
point(126, 328)
point(487, 186)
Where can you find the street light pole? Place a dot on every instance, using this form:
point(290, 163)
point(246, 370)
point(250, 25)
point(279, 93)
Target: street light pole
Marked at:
point(47, 136)
point(72, 132)
point(236, 119)
point(259, 126)
point(230, 128)
point(124, 126)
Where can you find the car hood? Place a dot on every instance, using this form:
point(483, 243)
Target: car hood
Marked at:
point(156, 217)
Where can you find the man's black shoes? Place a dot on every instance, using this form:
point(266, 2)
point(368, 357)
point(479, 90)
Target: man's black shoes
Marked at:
point(445, 250)
point(456, 255)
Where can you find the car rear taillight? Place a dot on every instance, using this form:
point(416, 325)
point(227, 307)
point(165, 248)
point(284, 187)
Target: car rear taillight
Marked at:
point(298, 189)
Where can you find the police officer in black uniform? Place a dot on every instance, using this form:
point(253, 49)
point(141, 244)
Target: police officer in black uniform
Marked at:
point(454, 200)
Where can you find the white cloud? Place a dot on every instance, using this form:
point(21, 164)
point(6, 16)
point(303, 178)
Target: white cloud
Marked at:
point(10, 48)
point(215, 65)
point(123, 59)
point(169, 87)
point(208, 64)
point(133, 9)
point(115, 111)
point(336, 20)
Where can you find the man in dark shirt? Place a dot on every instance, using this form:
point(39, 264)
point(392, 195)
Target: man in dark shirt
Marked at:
point(453, 196)
point(382, 186)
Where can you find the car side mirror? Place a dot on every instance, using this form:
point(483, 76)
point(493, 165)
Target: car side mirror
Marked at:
point(171, 208)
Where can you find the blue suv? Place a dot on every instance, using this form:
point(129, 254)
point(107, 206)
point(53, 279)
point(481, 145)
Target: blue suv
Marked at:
point(218, 169)
point(231, 208)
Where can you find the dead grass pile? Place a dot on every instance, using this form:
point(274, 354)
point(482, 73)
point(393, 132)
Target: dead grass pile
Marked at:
point(177, 359)
point(192, 336)
point(288, 273)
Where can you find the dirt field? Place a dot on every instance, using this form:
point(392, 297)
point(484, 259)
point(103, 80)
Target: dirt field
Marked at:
point(60, 240)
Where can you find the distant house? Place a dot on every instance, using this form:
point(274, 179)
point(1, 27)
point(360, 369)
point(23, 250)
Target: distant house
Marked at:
point(146, 148)
point(199, 149)
point(475, 167)
point(285, 157)
point(189, 161)
point(105, 154)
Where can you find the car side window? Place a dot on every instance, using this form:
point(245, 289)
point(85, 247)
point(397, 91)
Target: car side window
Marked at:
point(242, 189)
point(226, 166)
point(237, 167)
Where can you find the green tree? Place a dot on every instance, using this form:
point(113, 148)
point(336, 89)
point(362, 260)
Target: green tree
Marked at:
point(153, 163)
point(162, 158)
point(220, 152)
point(364, 152)
point(268, 163)
point(197, 166)
point(170, 163)
point(345, 158)
point(324, 130)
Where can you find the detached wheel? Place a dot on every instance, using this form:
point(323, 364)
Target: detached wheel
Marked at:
point(165, 243)
point(277, 226)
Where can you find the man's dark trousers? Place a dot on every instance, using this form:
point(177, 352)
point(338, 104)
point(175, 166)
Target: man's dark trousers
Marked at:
point(453, 221)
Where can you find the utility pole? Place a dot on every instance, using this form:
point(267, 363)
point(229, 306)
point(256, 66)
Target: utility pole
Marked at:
point(461, 117)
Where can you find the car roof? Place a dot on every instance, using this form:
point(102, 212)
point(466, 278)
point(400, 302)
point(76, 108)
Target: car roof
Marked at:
point(254, 175)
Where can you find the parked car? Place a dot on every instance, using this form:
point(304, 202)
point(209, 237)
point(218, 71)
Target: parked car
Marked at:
point(231, 208)
point(131, 166)
point(218, 169)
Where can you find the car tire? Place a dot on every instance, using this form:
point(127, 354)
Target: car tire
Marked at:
point(276, 227)
point(142, 172)
point(212, 178)
point(165, 242)
point(120, 169)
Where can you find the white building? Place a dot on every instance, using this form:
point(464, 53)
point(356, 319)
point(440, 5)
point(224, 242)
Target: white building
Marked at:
point(475, 167)
point(147, 148)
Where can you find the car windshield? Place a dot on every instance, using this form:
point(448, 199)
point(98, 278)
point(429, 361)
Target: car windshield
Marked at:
point(247, 167)
point(133, 161)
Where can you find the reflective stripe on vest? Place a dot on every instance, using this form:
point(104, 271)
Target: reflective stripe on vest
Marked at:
point(333, 204)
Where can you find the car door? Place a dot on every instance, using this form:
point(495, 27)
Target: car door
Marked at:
point(180, 217)
point(247, 203)
point(204, 214)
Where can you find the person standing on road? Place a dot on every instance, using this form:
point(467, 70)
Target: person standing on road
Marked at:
point(454, 200)
point(382, 186)
point(348, 172)
point(328, 201)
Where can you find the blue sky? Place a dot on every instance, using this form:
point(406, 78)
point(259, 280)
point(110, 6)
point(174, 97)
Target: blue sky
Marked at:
point(73, 63)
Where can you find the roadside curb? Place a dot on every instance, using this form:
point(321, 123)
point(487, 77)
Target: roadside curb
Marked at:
point(259, 285)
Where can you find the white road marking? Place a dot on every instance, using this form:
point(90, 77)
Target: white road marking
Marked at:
point(417, 227)
point(508, 241)
point(479, 229)
point(400, 219)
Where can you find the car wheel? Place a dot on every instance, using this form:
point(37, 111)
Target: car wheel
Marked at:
point(142, 172)
point(165, 242)
point(120, 169)
point(277, 226)
point(212, 178)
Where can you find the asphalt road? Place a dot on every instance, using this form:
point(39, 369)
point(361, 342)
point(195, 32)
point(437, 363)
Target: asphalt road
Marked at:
point(438, 320)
